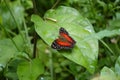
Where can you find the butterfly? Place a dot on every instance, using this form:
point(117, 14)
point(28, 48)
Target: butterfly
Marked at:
point(64, 41)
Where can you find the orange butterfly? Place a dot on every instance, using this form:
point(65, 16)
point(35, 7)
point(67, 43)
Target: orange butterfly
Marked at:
point(64, 41)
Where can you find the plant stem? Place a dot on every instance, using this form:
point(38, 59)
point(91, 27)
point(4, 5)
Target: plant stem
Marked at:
point(56, 3)
point(51, 66)
point(35, 34)
point(107, 46)
point(27, 37)
point(108, 49)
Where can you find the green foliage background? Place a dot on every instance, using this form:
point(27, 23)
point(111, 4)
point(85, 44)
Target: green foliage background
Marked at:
point(28, 27)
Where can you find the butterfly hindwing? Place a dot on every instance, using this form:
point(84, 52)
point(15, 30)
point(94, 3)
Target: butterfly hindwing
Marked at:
point(64, 41)
point(58, 44)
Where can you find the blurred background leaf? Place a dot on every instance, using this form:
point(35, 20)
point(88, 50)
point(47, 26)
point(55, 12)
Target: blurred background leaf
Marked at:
point(16, 9)
point(107, 73)
point(30, 70)
point(7, 50)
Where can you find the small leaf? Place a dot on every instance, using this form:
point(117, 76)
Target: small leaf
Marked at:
point(117, 66)
point(30, 70)
point(104, 33)
point(107, 74)
point(7, 51)
point(42, 51)
point(18, 39)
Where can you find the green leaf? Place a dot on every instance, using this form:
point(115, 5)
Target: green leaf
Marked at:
point(85, 51)
point(104, 33)
point(17, 11)
point(30, 70)
point(23, 43)
point(73, 69)
point(41, 51)
point(18, 39)
point(7, 51)
point(10, 70)
point(117, 67)
point(107, 74)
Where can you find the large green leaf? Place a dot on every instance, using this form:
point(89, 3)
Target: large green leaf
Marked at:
point(85, 51)
point(30, 70)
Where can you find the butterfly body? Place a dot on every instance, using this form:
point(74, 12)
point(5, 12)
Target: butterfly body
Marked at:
point(64, 41)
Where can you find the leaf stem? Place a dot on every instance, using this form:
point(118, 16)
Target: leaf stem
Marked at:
point(107, 46)
point(108, 49)
point(27, 37)
point(56, 3)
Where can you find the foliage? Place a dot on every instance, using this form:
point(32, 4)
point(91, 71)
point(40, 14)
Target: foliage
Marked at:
point(28, 27)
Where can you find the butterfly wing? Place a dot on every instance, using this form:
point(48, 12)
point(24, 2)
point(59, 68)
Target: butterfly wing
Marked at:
point(65, 34)
point(64, 41)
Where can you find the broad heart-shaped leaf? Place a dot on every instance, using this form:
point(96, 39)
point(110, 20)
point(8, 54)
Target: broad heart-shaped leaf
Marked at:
point(85, 51)
point(30, 70)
